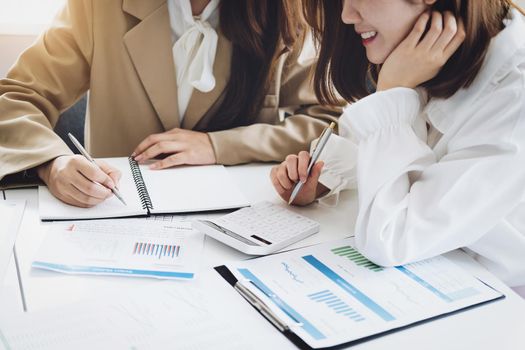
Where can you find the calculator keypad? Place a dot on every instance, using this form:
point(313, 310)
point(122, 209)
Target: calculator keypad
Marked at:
point(268, 221)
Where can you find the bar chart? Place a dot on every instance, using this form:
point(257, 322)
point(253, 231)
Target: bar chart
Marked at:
point(336, 304)
point(353, 255)
point(156, 250)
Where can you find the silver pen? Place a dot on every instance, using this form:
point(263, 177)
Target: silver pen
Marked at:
point(314, 157)
point(88, 157)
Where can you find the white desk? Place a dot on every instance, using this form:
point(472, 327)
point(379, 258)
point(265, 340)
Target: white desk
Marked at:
point(500, 324)
point(10, 295)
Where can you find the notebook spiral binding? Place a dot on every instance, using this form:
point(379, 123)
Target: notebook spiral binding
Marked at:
point(139, 183)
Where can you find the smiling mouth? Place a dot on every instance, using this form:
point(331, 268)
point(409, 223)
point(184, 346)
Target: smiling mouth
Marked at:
point(368, 37)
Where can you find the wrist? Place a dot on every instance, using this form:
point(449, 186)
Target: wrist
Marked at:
point(43, 170)
point(382, 85)
point(388, 79)
point(212, 154)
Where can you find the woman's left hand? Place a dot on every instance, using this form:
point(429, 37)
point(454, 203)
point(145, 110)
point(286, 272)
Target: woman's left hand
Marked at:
point(421, 55)
point(179, 146)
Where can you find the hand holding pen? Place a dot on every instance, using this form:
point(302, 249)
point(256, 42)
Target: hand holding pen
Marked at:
point(296, 179)
point(81, 149)
point(73, 179)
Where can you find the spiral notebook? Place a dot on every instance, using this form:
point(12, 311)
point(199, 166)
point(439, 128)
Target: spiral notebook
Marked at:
point(176, 190)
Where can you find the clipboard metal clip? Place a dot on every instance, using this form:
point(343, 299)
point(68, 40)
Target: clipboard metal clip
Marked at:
point(261, 306)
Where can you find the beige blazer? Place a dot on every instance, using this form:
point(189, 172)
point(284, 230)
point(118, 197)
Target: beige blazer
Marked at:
point(120, 50)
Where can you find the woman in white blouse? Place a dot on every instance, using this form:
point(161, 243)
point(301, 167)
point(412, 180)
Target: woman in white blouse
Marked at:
point(437, 154)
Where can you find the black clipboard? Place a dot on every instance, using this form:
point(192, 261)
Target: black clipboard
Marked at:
point(301, 344)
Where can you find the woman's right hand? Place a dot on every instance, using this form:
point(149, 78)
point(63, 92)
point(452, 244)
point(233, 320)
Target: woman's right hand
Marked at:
point(421, 55)
point(76, 181)
point(294, 169)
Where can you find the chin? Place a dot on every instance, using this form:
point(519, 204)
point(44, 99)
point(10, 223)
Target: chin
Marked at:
point(375, 58)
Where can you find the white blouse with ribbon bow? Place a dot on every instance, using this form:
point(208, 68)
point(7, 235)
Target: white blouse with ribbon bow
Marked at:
point(194, 49)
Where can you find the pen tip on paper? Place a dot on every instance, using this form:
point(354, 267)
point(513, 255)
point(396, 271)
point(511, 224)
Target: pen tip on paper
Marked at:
point(121, 199)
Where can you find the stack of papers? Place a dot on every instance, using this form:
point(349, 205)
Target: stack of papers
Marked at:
point(165, 315)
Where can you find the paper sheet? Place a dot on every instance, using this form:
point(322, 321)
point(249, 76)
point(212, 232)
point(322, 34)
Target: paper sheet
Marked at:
point(167, 315)
point(128, 247)
point(11, 213)
point(192, 188)
point(330, 294)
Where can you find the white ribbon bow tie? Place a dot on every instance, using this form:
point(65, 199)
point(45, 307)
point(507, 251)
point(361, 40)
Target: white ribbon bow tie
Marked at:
point(195, 51)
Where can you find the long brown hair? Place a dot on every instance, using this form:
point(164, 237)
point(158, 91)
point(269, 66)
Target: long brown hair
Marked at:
point(343, 68)
point(260, 31)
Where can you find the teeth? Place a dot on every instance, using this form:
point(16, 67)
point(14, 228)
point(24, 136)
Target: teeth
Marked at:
point(368, 35)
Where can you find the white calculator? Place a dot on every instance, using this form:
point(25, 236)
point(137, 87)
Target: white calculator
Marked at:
point(261, 229)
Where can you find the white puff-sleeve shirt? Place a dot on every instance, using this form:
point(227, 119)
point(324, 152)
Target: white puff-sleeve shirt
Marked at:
point(433, 177)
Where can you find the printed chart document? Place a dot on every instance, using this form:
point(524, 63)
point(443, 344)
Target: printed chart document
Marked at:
point(330, 294)
point(128, 247)
point(166, 315)
point(176, 190)
point(10, 216)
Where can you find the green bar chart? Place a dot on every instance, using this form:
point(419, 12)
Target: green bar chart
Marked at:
point(356, 257)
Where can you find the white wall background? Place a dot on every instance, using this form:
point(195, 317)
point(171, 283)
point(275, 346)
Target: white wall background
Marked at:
point(22, 20)
point(20, 23)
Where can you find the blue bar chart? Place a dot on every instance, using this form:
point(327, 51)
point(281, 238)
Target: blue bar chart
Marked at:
point(156, 250)
point(336, 304)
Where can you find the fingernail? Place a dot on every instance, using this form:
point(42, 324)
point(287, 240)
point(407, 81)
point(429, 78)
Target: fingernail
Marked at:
point(133, 154)
point(153, 166)
point(303, 180)
point(138, 158)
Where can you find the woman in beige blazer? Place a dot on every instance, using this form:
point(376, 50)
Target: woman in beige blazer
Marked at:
point(160, 84)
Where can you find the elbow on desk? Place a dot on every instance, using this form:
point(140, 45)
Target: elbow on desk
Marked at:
point(393, 241)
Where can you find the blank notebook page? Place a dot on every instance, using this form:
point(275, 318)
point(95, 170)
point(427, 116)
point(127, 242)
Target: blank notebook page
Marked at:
point(192, 188)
